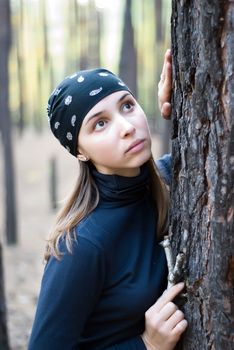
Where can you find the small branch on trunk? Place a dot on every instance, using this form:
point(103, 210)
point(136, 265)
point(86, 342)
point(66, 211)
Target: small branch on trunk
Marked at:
point(174, 271)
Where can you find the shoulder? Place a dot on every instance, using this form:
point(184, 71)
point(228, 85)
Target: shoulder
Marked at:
point(164, 166)
point(91, 231)
point(81, 256)
point(83, 243)
point(102, 228)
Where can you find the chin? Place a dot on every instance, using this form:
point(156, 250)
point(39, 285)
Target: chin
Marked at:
point(142, 159)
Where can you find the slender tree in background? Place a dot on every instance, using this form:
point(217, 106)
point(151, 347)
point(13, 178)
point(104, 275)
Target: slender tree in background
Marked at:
point(128, 58)
point(42, 64)
point(159, 21)
point(94, 36)
point(202, 209)
point(83, 33)
point(72, 32)
point(4, 344)
point(20, 66)
point(5, 125)
point(5, 135)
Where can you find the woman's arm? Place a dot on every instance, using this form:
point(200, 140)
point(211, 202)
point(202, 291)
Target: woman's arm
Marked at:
point(164, 323)
point(164, 103)
point(135, 343)
point(69, 290)
point(164, 166)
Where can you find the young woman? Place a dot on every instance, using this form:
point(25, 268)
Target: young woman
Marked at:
point(106, 272)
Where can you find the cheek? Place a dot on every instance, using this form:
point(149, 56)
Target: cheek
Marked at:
point(143, 125)
point(98, 147)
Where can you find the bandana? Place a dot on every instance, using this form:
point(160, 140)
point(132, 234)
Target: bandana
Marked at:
point(74, 97)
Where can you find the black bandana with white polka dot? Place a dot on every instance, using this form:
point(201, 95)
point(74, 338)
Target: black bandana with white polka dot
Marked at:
point(74, 97)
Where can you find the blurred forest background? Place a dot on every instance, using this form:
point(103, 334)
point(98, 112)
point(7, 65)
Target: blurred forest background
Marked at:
point(52, 39)
point(48, 41)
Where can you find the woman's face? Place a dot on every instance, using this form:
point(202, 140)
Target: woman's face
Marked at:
point(115, 135)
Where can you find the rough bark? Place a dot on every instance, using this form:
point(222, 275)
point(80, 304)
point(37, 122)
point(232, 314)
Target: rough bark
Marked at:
point(202, 206)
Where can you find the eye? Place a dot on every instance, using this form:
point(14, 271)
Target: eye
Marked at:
point(100, 124)
point(127, 106)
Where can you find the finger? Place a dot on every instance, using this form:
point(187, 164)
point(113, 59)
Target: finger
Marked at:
point(167, 296)
point(168, 55)
point(168, 311)
point(166, 110)
point(174, 319)
point(179, 328)
point(168, 77)
point(166, 59)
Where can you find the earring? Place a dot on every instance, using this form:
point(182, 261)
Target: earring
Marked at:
point(82, 158)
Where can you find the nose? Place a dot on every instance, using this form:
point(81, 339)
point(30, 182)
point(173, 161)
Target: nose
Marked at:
point(126, 128)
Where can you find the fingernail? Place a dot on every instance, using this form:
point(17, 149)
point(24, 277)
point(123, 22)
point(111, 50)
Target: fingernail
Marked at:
point(181, 284)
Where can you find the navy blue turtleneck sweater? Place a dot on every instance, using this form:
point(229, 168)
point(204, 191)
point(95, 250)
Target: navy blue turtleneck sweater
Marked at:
point(96, 297)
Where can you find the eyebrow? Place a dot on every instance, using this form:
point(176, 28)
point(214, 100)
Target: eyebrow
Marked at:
point(99, 113)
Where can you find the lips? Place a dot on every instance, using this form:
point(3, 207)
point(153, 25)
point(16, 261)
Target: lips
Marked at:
point(134, 144)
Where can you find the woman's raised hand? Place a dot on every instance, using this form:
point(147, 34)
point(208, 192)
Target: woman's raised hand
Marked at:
point(164, 323)
point(165, 86)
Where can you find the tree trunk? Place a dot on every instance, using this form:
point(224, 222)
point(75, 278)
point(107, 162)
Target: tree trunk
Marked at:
point(5, 125)
point(159, 21)
point(202, 203)
point(128, 58)
point(4, 345)
point(20, 68)
point(4, 49)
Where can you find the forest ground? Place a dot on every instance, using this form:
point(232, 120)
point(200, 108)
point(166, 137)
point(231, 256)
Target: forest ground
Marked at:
point(23, 263)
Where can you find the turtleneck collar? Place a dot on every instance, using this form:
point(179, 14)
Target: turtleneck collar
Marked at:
point(119, 190)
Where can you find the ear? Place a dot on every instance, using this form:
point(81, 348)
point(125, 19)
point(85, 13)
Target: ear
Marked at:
point(82, 158)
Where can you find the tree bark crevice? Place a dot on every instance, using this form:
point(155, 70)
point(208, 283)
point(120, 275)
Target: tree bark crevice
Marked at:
point(202, 191)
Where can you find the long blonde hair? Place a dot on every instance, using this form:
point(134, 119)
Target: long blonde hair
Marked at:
point(84, 199)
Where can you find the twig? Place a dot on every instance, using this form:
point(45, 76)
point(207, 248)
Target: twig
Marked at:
point(174, 271)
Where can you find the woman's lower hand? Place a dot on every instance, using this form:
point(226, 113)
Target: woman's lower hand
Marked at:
point(164, 323)
point(165, 86)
